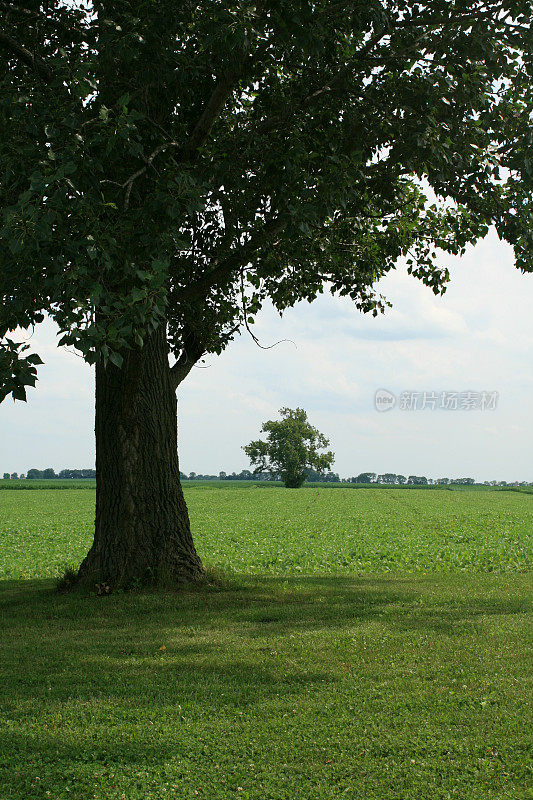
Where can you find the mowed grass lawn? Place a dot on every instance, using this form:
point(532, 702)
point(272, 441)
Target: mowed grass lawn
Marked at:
point(365, 644)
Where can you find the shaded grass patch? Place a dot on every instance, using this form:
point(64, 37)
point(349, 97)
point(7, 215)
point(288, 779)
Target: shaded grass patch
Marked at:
point(320, 687)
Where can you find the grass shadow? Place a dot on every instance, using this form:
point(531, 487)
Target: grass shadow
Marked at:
point(135, 683)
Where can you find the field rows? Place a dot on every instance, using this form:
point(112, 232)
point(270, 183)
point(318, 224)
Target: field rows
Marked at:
point(282, 532)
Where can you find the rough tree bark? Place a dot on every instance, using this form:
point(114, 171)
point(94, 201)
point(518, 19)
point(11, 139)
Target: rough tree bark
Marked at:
point(142, 533)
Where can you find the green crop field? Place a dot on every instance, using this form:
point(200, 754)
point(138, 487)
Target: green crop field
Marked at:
point(373, 645)
point(280, 532)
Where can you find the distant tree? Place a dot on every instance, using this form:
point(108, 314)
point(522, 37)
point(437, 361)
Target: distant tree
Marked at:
point(292, 447)
point(263, 476)
point(388, 477)
point(77, 474)
point(313, 475)
point(401, 479)
point(365, 477)
point(14, 476)
point(222, 475)
point(416, 480)
point(322, 477)
point(49, 473)
point(331, 477)
point(7, 476)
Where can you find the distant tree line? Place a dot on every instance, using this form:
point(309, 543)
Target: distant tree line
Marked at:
point(49, 473)
point(387, 478)
point(392, 479)
point(247, 475)
point(243, 475)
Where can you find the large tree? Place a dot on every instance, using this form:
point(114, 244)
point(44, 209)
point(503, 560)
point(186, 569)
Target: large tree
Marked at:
point(291, 448)
point(167, 167)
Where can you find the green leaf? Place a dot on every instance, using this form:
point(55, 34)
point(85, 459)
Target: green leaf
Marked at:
point(116, 359)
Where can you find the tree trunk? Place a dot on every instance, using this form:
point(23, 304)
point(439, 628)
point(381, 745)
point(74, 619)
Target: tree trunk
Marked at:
point(142, 534)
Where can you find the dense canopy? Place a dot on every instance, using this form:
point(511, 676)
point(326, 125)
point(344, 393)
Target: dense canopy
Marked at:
point(292, 447)
point(176, 164)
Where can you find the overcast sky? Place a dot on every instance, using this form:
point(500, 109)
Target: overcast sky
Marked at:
point(477, 337)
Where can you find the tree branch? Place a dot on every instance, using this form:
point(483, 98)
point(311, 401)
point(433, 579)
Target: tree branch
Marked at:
point(222, 91)
point(214, 106)
point(363, 53)
point(193, 350)
point(38, 65)
point(234, 261)
point(70, 25)
point(128, 184)
point(337, 79)
point(12, 7)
